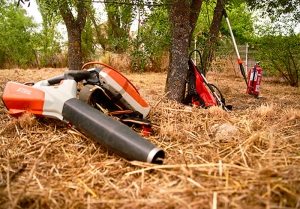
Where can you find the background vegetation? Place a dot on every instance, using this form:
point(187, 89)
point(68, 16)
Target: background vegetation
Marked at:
point(25, 44)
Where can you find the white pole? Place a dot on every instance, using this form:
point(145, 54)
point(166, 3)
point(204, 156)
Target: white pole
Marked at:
point(233, 39)
point(247, 58)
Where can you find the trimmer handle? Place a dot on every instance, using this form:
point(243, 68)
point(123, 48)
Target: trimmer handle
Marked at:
point(224, 13)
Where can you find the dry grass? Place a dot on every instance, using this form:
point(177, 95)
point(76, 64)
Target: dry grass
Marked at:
point(246, 158)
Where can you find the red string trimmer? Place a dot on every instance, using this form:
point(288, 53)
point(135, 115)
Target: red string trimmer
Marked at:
point(254, 75)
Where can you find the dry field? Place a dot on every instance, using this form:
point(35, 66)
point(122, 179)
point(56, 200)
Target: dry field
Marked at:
point(246, 158)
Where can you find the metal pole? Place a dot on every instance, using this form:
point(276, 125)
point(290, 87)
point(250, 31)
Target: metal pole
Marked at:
point(247, 58)
point(235, 47)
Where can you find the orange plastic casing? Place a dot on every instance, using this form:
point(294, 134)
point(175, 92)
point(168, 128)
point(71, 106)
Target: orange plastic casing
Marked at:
point(19, 98)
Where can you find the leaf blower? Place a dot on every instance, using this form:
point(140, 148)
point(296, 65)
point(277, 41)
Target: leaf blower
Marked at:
point(254, 75)
point(45, 99)
point(197, 93)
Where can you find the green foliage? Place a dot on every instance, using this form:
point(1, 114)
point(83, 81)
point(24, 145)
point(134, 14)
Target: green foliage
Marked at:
point(148, 42)
point(152, 41)
point(240, 18)
point(204, 21)
point(139, 59)
point(74, 15)
point(87, 42)
point(16, 36)
point(281, 54)
point(48, 44)
point(276, 8)
point(277, 13)
point(119, 20)
point(241, 22)
point(51, 7)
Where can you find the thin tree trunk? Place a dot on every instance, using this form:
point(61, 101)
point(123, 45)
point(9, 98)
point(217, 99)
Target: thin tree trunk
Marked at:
point(74, 49)
point(74, 29)
point(36, 59)
point(209, 48)
point(195, 10)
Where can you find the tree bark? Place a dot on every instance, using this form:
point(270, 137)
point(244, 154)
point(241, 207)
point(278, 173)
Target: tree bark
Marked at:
point(195, 10)
point(74, 30)
point(183, 16)
point(209, 48)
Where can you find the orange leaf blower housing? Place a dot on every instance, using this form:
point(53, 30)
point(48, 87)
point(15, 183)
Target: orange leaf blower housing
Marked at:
point(20, 98)
point(119, 89)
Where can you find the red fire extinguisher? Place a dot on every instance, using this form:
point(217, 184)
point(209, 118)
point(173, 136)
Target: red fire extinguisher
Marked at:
point(254, 80)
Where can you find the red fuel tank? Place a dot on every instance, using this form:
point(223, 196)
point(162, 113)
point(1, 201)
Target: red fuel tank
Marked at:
point(254, 80)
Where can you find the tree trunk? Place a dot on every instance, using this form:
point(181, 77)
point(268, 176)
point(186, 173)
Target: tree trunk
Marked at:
point(36, 59)
point(183, 20)
point(209, 48)
point(195, 10)
point(74, 29)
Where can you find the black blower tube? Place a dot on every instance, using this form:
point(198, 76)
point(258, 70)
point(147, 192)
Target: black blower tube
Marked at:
point(112, 134)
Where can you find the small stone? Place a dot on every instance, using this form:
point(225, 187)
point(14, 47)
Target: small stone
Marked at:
point(226, 132)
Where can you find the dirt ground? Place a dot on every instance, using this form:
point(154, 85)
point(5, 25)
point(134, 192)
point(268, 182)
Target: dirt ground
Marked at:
point(245, 158)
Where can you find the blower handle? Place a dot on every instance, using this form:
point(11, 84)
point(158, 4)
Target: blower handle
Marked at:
point(110, 67)
point(55, 80)
point(75, 75)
